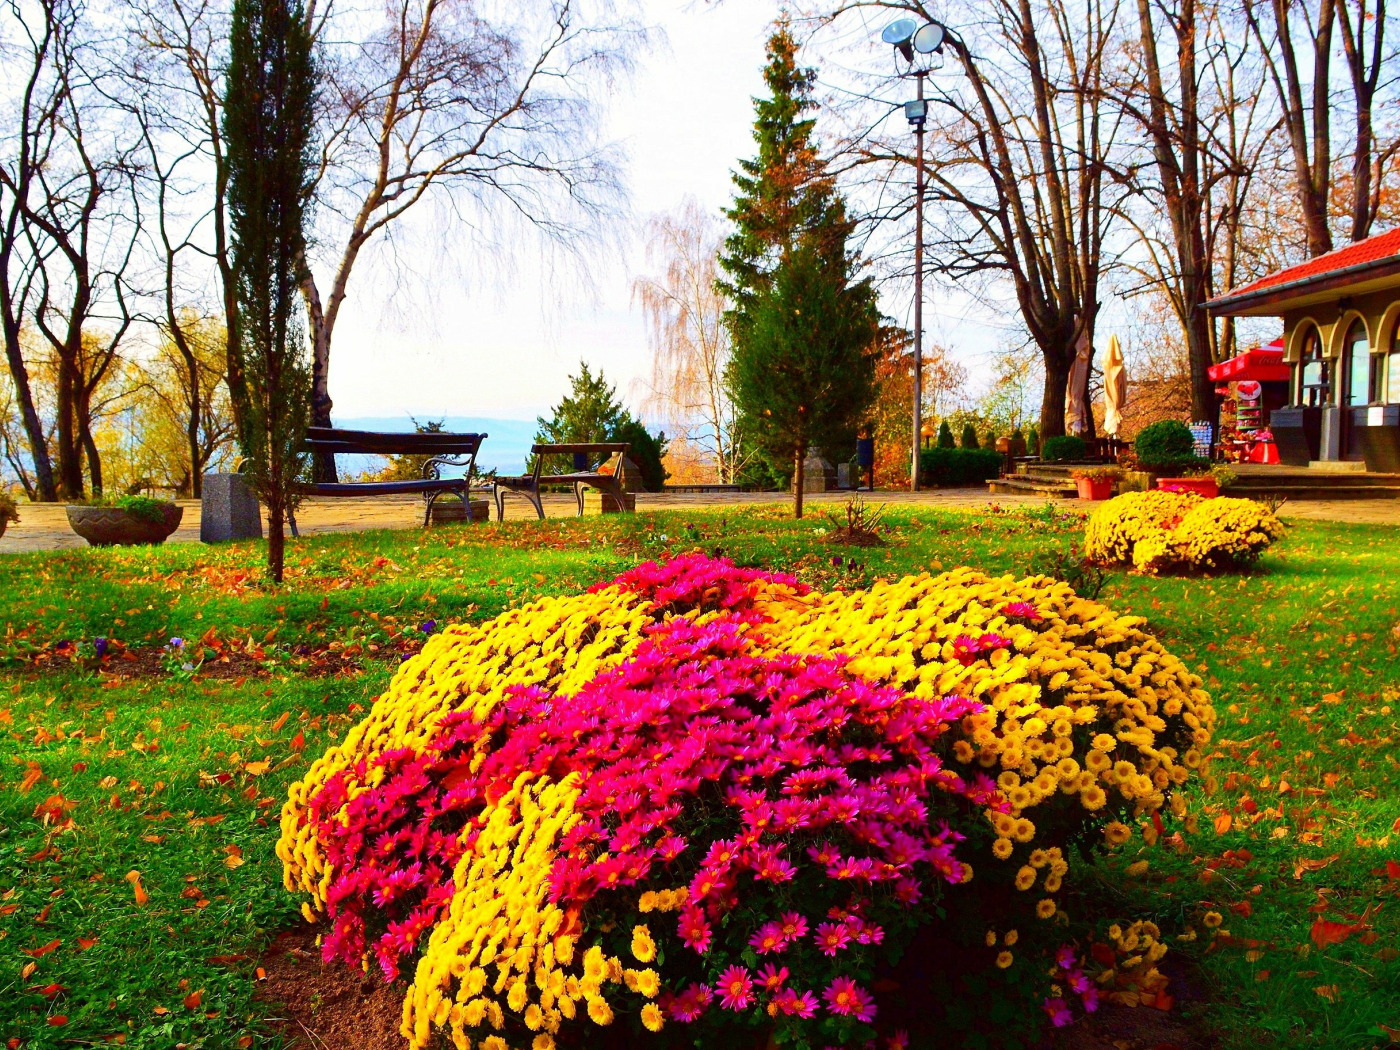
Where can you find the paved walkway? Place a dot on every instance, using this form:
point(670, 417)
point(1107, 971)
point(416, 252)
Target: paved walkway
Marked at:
point(45, 526)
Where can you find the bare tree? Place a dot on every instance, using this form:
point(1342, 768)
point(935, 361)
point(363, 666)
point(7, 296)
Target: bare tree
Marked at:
point(43, 31)
point(488, 115)
point(178, 55)
point(690, 343)
point(1022, 172)
point(1296, 41)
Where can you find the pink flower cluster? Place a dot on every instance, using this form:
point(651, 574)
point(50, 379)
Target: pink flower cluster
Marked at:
point(968, 650)
point(1069, 971)
point(694, 581)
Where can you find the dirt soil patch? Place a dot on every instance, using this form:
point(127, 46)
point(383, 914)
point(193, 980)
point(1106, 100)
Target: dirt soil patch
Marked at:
point(327, 1006)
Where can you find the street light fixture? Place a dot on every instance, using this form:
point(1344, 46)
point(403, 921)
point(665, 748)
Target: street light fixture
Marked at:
point(915, 42)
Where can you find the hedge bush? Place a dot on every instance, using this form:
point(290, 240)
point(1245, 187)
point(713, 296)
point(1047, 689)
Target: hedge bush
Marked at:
point(1067, 448)
point(707, 797)
point(958, 466)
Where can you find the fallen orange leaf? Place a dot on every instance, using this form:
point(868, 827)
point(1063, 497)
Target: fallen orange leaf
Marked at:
point(193, 1000)
point(58, 1020)
point(257, 769)
point(1303, 864)
point(39, 953)
point(1223, 822)
point(1330, 992)
point(281, 721)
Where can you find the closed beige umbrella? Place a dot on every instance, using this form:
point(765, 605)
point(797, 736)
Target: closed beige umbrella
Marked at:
point(1115, 388)
point(1078, 421)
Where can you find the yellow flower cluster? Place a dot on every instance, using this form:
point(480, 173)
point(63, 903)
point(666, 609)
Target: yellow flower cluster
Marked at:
point(1158, 530)
point(503, 946)
point(1134, 979)
point(558, 643)
point(1082, 703)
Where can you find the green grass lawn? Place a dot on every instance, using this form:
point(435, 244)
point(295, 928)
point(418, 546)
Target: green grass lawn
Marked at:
point(135, 764)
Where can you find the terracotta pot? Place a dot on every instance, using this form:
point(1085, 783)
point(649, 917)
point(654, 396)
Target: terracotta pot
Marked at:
point(1094, 488)
point(1206, 487)
point(112, 526)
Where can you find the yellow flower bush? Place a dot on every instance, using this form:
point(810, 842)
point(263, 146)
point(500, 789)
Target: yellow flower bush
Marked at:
point(449, 828)
point(1166, 530)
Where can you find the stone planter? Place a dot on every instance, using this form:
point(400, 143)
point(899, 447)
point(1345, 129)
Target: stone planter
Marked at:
point(1206, 487)
point(450, 511)
point(112, 526)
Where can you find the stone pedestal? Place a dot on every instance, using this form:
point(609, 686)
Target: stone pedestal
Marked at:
point(631, 475)
point(228, 510)
point(817, 474)
point(448, 510)
point(596, 502)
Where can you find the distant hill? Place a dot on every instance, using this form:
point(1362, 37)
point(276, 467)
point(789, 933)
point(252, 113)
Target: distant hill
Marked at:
point(505, 449)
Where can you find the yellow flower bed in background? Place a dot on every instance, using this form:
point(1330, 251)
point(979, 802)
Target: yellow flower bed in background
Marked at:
point(1170, 530)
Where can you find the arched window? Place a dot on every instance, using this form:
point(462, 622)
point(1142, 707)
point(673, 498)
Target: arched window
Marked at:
point(1356, 360)
point(1312, 372)
point(1391, 392)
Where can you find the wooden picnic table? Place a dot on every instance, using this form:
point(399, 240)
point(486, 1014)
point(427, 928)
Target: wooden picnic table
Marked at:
point(606, 477)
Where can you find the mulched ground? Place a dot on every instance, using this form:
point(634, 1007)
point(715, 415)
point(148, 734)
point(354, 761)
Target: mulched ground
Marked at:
point(320, 1006)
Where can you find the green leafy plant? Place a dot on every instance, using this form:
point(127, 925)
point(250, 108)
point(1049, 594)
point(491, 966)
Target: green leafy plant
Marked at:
point(1085, 577)
point(9, 509)
point(1223, 475)
point(1096, 474)
point(1063, 449)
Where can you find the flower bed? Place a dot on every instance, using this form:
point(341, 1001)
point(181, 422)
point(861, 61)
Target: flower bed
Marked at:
point(702, 801)
point(1156, 531)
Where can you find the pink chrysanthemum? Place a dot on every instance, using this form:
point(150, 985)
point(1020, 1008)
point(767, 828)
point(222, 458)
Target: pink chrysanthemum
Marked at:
point(847, 999)
point(735, 988)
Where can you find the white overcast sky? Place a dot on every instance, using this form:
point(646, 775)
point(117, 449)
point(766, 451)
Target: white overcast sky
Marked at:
point(500, 340)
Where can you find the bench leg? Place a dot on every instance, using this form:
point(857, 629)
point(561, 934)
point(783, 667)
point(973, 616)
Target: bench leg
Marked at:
point(292, 520)
point(429, 498)
point(534, 497)
point(578, 495)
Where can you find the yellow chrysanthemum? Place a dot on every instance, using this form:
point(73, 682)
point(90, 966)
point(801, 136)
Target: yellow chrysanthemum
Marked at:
point(1045, 908)
point(1004, 959)
point(652, 1018)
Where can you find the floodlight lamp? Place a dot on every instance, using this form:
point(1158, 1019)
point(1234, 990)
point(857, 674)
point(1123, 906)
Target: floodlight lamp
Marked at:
point(900, 34)
point(916, 112)
point(929, 38)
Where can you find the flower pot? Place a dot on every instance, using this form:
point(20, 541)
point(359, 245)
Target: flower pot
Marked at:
point(1206, 487)
point(1094, 488)
point(112, 526)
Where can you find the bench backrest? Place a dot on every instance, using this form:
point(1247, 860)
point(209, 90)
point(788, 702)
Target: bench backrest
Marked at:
point(611, 449)
point(369, 442)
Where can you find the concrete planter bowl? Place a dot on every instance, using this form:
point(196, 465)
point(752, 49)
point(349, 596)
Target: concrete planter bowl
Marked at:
point(114, 527)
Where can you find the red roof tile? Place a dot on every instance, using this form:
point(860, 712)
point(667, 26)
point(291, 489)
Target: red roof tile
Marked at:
point(1372, 249)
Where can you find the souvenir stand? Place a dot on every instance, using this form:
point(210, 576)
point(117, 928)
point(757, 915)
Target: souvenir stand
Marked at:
point(1251, 385)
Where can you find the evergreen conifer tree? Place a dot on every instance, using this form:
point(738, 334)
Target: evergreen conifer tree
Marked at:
point(969, 435)
point(945, 435)
point(269, 111)
point(803, 327)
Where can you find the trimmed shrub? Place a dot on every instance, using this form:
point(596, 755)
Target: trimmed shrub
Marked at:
point(1067, 448)
point(1158, 531)
point(969, 437)
point(707, 797)
point(945, 436)
point(1166, 445)
point(1033, 441)
point(952, 467)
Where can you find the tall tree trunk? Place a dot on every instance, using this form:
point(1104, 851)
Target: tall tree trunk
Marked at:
point(799, 481)
point(1052, 400)
point(70, 468)
point(276, 540)
point(322, 463)
point(46, 490)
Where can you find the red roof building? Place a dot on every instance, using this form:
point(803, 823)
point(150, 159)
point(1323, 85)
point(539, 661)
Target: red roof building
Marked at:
point(1339, 352)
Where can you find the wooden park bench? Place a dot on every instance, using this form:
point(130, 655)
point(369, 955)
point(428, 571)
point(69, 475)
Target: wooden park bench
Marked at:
point(442, 450)
point(607, 477)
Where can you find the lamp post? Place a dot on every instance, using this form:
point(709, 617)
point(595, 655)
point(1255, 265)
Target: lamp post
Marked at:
point(910, 39)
